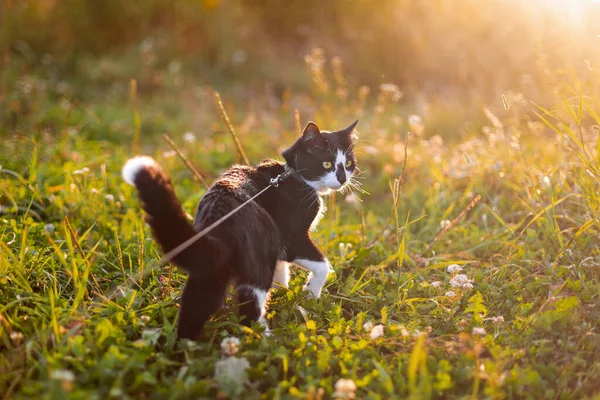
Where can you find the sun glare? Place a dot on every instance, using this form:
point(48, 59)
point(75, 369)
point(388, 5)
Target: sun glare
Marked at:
point(578, 17)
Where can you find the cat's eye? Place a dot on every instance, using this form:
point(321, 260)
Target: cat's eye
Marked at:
point(326, 165)
point(348, 163)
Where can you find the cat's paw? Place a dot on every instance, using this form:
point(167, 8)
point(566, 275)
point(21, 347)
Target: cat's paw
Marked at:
point(263, 322)
point(312, 292)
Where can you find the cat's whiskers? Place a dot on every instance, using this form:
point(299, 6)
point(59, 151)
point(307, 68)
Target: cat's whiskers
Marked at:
point(349, 186)
point(354, 183)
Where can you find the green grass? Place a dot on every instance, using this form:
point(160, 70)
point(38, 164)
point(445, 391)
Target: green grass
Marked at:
point(85, 311)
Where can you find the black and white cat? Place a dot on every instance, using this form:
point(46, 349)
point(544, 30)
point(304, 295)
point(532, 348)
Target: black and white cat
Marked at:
point(253, 247)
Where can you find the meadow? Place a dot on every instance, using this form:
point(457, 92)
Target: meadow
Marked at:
point(466, 266)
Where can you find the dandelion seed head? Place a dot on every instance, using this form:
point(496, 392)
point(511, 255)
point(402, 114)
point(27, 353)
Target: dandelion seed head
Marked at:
point(546, 181)
point(189, 137)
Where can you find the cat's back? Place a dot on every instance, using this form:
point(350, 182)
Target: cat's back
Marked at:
point(235, 186)
point(248, 180)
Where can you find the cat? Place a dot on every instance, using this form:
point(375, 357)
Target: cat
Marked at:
point(251, 249)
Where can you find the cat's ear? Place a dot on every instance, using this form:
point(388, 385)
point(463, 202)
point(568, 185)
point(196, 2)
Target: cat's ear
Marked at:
point(351, 130)
point(312, 138)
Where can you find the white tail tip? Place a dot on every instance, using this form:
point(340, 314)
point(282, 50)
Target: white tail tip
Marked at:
point(133, 167)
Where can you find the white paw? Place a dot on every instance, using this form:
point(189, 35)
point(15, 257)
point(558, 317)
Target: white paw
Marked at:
point(268, 332)
point(313, 293)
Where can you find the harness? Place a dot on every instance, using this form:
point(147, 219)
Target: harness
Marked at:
point(273, 182)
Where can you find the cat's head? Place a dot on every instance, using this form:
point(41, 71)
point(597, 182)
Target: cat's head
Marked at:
point(325, 160)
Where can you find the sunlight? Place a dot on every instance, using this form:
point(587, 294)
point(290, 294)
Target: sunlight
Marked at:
point(573, 10)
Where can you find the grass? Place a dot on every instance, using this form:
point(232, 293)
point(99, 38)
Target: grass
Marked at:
point(86, 312)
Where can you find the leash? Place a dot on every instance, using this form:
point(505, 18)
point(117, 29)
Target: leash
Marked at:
point(273, 182)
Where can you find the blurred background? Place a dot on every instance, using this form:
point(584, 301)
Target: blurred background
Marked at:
point(448, 58)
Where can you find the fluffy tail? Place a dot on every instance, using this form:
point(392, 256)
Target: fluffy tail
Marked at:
point(164, 213)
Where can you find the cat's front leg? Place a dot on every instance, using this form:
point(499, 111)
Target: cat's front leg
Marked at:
point(311, 258)
point(319, 270)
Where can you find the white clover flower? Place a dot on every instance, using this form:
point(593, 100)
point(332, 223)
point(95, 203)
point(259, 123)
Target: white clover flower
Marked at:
point(94, 190)
point(454, 268)
point(109, 197)
point(345, 389)
point(462, 281)
point(376, 332)
point(189, 137)
point(230, 346)
point(16, 337)
point(403, 331)
point(368, 326)
point(81, 171)
point(63, 375)
point(436, 284)
point(497, 320)
point(444, 224)
point(231, 376)
point(450, 294)
point(479, 331)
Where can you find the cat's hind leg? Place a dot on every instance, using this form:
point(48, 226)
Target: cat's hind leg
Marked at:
point(201, 298)
point(253, 304)
point(281, 277)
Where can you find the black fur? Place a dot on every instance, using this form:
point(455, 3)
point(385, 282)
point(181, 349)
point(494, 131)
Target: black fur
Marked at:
point(245, 248)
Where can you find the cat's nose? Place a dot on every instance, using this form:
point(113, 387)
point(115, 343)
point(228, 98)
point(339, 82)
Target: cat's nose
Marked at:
point(340, 174)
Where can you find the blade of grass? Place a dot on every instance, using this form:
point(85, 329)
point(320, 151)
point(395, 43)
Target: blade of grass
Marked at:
point(197, 175)
point(227, 122)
